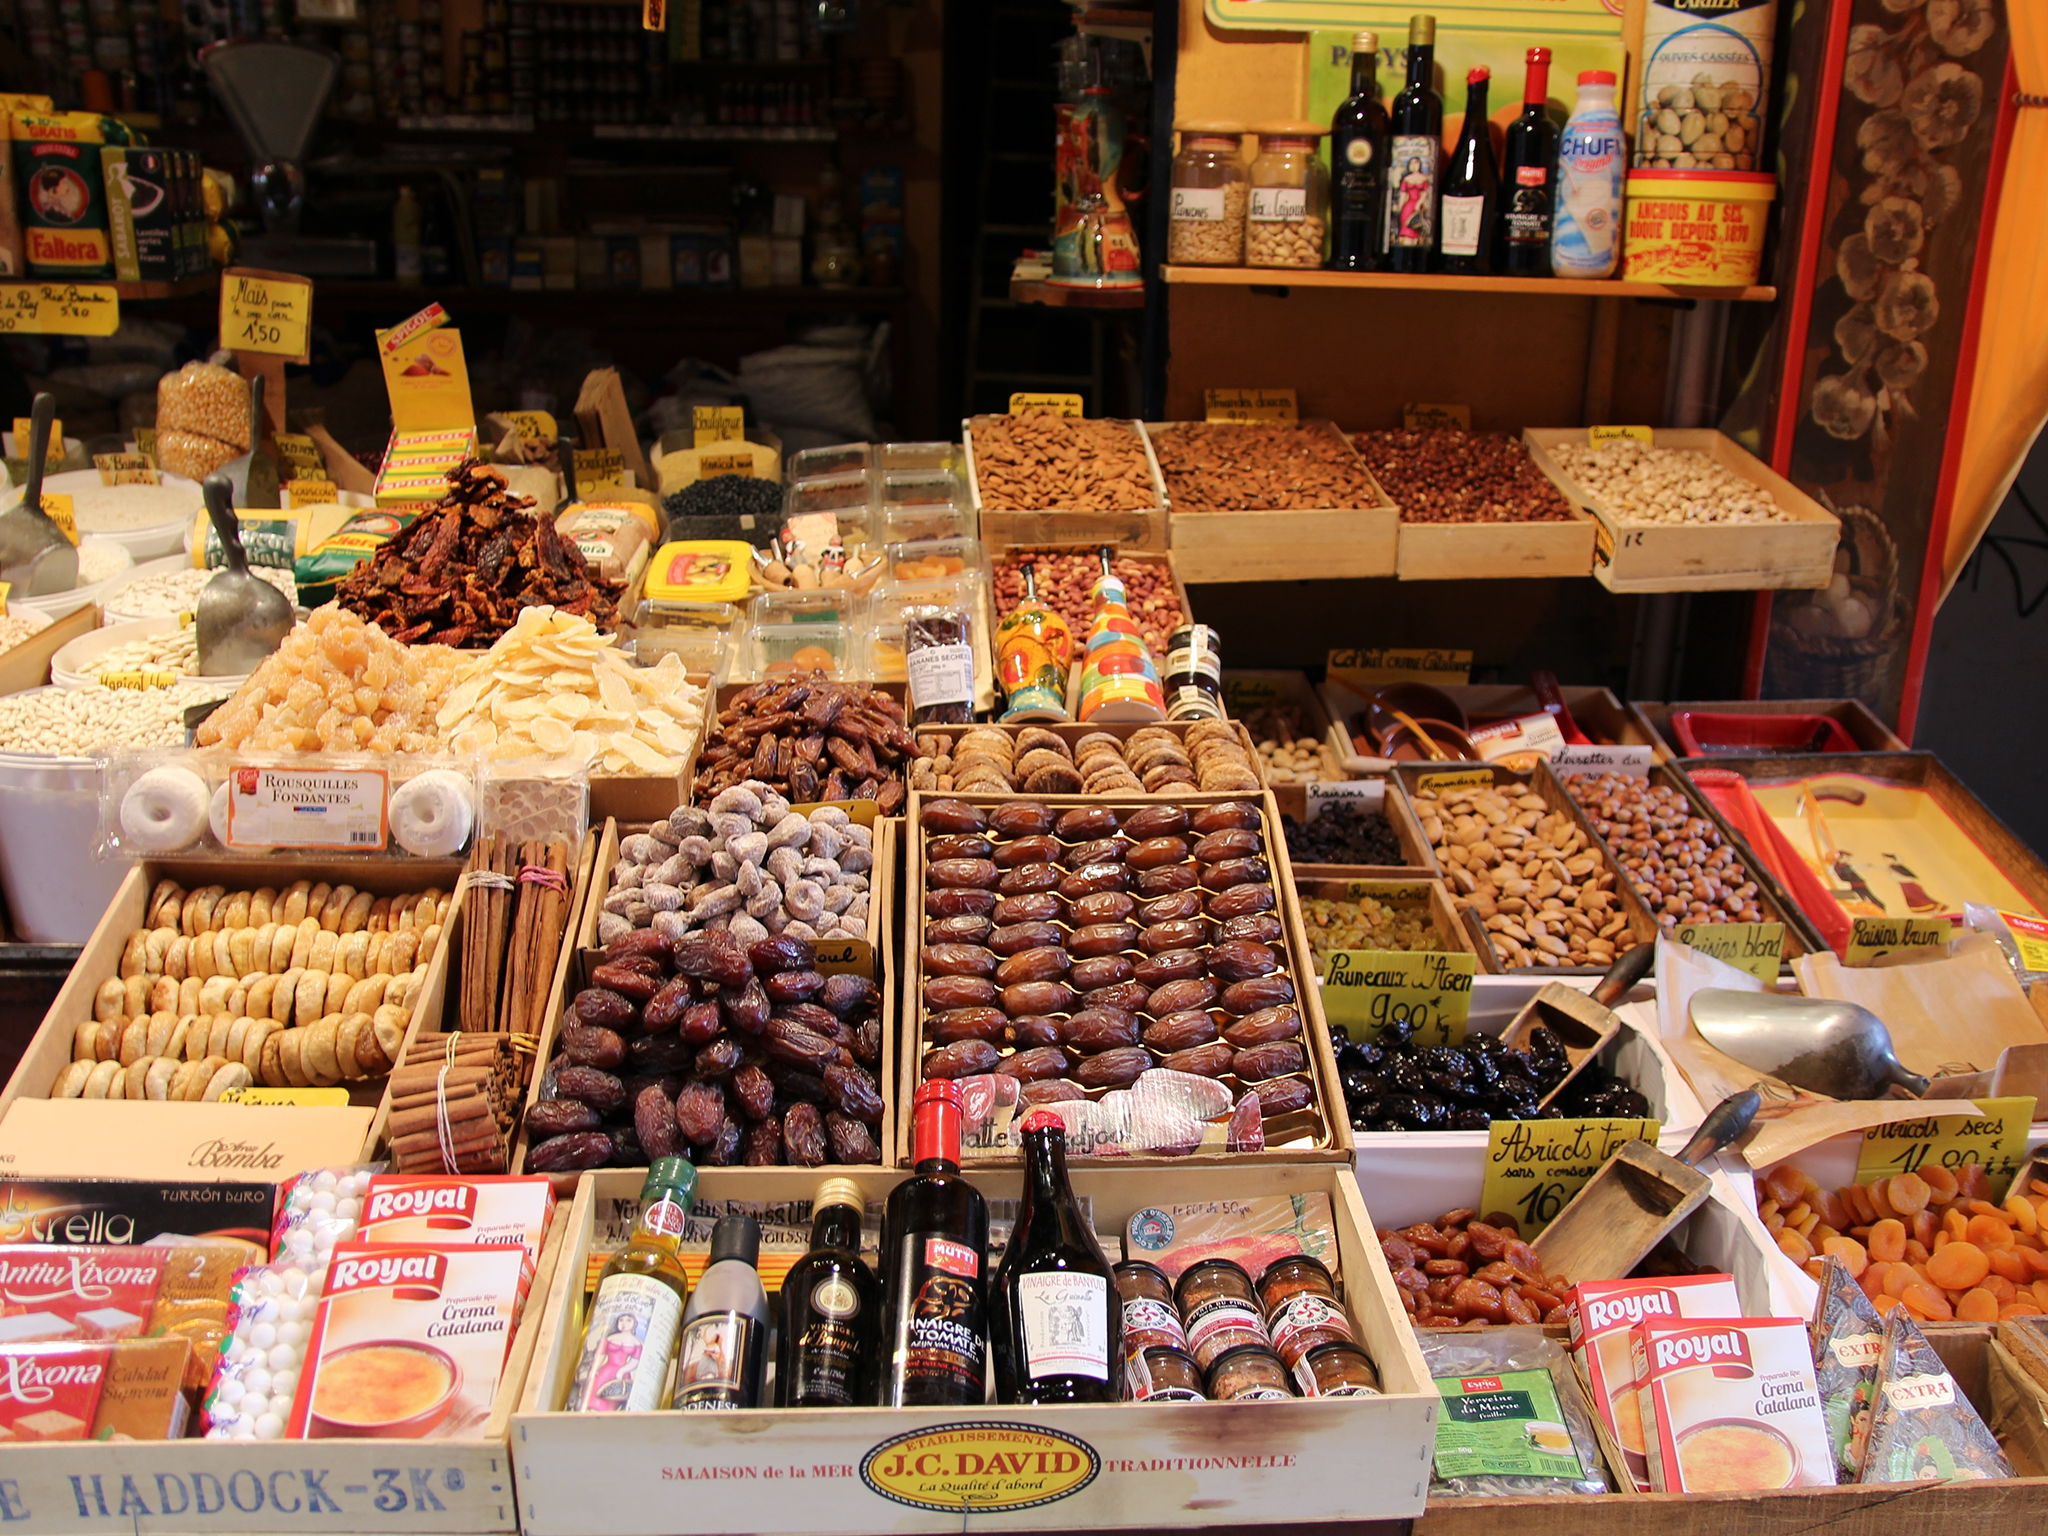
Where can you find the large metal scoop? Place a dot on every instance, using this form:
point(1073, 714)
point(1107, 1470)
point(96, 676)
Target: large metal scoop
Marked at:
point(252, 477)
point(1820, 1044)
point(35, 557)
point(240, 619)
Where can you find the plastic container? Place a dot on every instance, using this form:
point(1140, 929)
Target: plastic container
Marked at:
point(921, 455)
point(1702, 733)
point(700, 571)
point(933, 560)
point(1289, 207)
point(1205, 227)
point(1591, 159)
point(841, 458)
point(1701, 227)
point(108, 511)
point(58, 604)
point(56, 888)
point(700, 633)
point(74, 664)
point(808, 605)
point(776, 650)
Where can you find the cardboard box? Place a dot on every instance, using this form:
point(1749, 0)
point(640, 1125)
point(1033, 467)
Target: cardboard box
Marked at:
point(70, 1292)
point(1602, 1316)
point(1729, 1405)
point(480, 1211)
point(128, 1390)
point(121, 1210)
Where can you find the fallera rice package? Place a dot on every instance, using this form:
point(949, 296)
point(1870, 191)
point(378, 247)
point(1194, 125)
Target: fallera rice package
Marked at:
point(1729, 1405)
point(1848, 1338)
point(1922, 1428)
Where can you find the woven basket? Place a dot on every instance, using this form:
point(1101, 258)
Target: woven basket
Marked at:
point(1802, 666)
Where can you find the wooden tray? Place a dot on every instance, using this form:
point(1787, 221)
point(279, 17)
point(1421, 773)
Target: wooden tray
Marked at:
point(1483, 551)
point(1416, 855)
point(1143, 529)
point(1313, 880)
point(1544, 783)
point(1663, 557)
point(1596, 710)
point(1324, 1124)
point(1280, 545)
point(1853, 715)
point(27, 665)
point(1071, 732)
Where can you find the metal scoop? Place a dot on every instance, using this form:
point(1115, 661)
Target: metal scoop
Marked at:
point(1820, 1044)
point(35, 557)
point(240, 619)
point(252, 477)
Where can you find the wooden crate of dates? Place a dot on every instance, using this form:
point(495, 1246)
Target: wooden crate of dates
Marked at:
point(1045, 475)
point(1567, 867)
point(1000, 892)
point(601, 1113)
point(1475, 505)
point(1104, 1466)
point(810, 738)
point(1272, 502)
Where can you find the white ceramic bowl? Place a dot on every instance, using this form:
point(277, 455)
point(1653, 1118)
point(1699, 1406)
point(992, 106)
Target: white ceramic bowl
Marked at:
point(57, 604)
point(146, 520)
point(76, 664)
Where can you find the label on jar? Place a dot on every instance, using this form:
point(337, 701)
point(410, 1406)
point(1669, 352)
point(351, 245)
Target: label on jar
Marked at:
point(1254, 1394)
point(1304, 1320)
point(1277, 205)
point(1198, 205)
point(1220, 1323)
point(626, 1347)
point(1310, 1387)
point(940, 674)
point(711, 1372)
point(941, 1334)
point(1194, 660)
point(1411, 190)
point(1065, 1316)
point(1507, 1425)
point(1153, 1322)
point(1464, 225)
point(828, 1348)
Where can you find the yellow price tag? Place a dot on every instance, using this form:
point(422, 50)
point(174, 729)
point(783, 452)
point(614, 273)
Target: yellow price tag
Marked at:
point(535, 426)
point(335, 1097)
point(59, 309)
point(1245, 694)
point(302, 456)
point(151, 678)
point(1463, 778)
point(599, 470)
point(265, 312)
point(1996, 1138)
point(145, 442)
point(125, 469)
point(710, 464)
point(1365, 990)
point(1872, 937)
point(1595, 436)
point(1058, 405)
point(1534, 1167)
point(1758, 948)
point(185, 619)
point(1376, 666)
point(24, 430)
point(1417, 417)
point(57, 508)
point(5, 588)
point(312, 493)
point(1249, 405)
point(718, 424)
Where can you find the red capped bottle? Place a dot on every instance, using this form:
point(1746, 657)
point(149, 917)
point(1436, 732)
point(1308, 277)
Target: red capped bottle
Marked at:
point(935, 1266)
point(1055, 1304)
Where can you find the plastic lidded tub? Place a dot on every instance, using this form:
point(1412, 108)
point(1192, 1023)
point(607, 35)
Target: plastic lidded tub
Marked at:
point(809, 605)
point(777, 650)
point(1704, 227)
point(926, 520)
point(701, 633)
point(934, 559)
point(847, 496)
point(815, 463)
point(935, 455)
point(700, 571)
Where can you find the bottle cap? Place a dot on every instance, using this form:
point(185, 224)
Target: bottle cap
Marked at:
point(1596, 77)
point(736, 1237)
point(938, 1091)
point(1537, 56)
point(1421, 30)
point(935, 1123)
point(1365, 42)
point(839, 1191)
point(667, 1176)
point(1042, 1119)
point(1478, 74)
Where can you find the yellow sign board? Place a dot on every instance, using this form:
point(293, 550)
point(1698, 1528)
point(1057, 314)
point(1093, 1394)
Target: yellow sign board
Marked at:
point(311, 493)
point(265, 312)
point(125, 469)
point(255, 1095)
point(1059, 405)
point(57, 508)
point(1873, 937)
point(301, 455)
point(1365, 990)
point(1996, 1138)
point(536, 426)
point(1249, 405)
point(987, 1468)
point(1598, 435)
point(1459, 778)
point(153, 677)
point(1417, 417)
point(1375, 666)
point(599, 470)
point(59, 309)
point(1534, 1167)
point(1758, 948)
point(710, 464)
point(718, 424)
point(24, 430)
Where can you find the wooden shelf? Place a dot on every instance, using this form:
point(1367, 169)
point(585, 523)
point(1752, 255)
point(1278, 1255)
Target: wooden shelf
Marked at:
point(1024, 290)
point(185, 287)
point(1554, 287)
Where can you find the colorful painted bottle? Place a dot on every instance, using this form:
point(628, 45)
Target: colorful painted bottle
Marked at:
point(1591, 162)
point(1034, 648)
point(1119, 679)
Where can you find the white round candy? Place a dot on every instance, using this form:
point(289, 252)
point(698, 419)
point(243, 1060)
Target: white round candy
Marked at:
point(283, 1384)
point(291, 1331)
point(282, 1357)
point(229, 1393)
point(262, 1336)
point(270, 1426)
point(257, 1380)
point(326, 1178)
point(251, 1405)
point(323, 1199)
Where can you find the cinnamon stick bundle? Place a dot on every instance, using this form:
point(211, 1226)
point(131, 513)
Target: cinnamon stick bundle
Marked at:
point(453, 1102)
point(536, 939)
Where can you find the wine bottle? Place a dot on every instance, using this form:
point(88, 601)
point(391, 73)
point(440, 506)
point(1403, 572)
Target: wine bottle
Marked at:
point(1055, 1301)
point(934, 1253)
point(1358, 155)
point(1471, 185)
point(1528, 179)
point(831, 1308)
point(635, 1316)
point(1414, 155)
point(725, 1330)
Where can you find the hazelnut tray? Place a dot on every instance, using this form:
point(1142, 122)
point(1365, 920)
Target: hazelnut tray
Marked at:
point(962, 957)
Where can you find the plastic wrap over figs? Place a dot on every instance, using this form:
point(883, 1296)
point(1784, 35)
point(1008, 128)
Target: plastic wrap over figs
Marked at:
point(1161, 1114)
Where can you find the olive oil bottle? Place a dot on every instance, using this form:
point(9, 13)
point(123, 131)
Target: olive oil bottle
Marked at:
point(630, 1339)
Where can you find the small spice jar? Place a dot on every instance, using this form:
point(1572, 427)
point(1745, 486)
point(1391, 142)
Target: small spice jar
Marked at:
point(1302, 1310)
point(1219, 1309)
point(1205, 226)
point(1149, 1318)
point(1162, 1374)
point(1192, 678)
point(1337, 1370)
point(1247, 1373)
point(1290, 199)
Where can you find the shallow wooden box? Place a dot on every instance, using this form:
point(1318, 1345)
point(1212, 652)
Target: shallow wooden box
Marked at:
point(1596, 710)
point(1853, 715)
point(1330, 881)
point(1318, 1133)
point(1142, 529)
point(1416, 857)
point(1303, 544)
point(1013, 553)
point(823, 1471)
point(1487, 551)
point(1741, 557)
point(1071, 732)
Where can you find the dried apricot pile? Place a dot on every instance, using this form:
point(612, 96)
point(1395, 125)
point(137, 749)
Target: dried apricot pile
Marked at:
point(1932, 1242)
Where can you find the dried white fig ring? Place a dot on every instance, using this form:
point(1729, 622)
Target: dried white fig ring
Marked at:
point(164, 810)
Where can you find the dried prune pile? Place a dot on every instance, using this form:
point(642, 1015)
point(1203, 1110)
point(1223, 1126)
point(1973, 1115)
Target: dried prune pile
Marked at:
point(1393, 1084)
point(700, 1048)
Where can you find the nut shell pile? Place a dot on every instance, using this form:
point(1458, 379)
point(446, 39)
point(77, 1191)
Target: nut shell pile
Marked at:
point(1040, 462)
point(809, 739)
point(1064, 581)
point(1156, 760)
point(1217, 468)
point(724, 1053)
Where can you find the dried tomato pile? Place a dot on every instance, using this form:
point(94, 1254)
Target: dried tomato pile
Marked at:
point(463, 571)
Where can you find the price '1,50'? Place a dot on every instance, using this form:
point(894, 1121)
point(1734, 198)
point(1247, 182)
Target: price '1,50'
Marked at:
point(262, 333)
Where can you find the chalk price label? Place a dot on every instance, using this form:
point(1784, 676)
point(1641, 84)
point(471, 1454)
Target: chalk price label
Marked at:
point(1758, 948)
point(59, 309)
point(1422, 417)
point(269, 313)
point(312, 493)
point(1996, 1138)
point(1535, 1167)
point(1599, 436)
point(718, 424)
point(1059, 405)
point(1365, 990)
point(1873, 937)
point(1247, 406)
point(1464, 778)
point(1632, 761)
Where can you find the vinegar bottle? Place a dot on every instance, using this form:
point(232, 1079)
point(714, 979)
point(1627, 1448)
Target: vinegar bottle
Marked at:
point(831, 1309)
point(934, 1263)
point(1055, 1305)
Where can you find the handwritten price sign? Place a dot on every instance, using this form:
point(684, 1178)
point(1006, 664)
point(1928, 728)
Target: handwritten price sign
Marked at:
point(265, 312)
point(59, 309)
point(1534, 1167)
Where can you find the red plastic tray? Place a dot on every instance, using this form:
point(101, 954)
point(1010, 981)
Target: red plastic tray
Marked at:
point(1705, 733)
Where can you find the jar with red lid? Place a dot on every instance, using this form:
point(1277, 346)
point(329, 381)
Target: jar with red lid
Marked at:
point(1248, 1373)
point(1299, 1297)
point(1149, 1318)
point(1162, 1374)
point(1337, 1370)
point(1219, 1309)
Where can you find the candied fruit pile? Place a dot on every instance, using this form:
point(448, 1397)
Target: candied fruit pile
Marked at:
point(338, 684)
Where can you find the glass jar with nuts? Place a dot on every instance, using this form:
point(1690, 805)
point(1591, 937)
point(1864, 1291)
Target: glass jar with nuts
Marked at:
point(1290, 199)
point(1206, 225)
